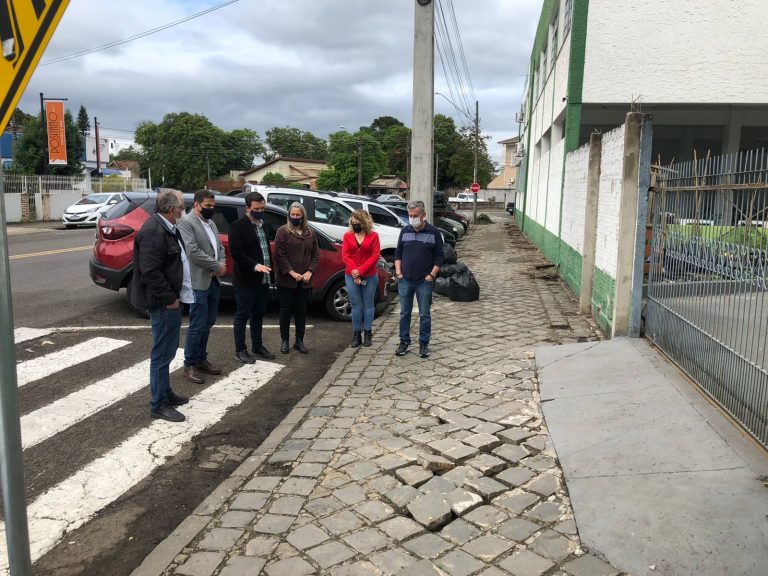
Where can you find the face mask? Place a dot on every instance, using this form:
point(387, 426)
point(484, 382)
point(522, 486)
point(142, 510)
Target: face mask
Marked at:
point(207, 213)
point(296, 221)
point(257, 215)
point(415, 222)
point(357, 228)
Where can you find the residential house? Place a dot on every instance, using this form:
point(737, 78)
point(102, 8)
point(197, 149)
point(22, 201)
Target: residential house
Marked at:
point(294, 170)
point(387, 184)
point(505, 182)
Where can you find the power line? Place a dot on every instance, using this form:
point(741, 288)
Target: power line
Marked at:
point(136, 36)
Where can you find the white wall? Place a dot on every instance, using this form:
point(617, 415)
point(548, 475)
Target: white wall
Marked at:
point(60, 200)
point(12, 207)
point(677, 51)
point(609, 201)
point(575, 198)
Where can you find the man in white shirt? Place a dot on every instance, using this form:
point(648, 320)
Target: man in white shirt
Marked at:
point(207, 263)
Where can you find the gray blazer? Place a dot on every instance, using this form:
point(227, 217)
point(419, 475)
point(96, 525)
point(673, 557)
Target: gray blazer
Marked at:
point(200, 252)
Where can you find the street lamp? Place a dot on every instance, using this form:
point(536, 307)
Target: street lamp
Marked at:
point(476, 122)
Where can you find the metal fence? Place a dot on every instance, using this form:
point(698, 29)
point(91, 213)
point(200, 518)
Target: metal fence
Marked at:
point(35, 184)
point(708, 275)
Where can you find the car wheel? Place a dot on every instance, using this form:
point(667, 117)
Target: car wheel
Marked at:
point(337, 302)
point(128, 290)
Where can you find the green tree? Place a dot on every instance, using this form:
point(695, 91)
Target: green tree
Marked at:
point(291, 142)
point(396, 144)
point(461, 162)
point(185, 148)
point(273, 178)
point(129, 153)
point(343, 159)
point(30, 156)
point(446, 143)
point(83, 122)
point(383, 123)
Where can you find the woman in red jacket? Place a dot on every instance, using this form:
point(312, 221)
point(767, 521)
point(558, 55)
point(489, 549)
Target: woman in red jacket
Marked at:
point(360, 250)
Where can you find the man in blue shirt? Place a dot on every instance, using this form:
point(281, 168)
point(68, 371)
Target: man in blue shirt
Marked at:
point(418, 259)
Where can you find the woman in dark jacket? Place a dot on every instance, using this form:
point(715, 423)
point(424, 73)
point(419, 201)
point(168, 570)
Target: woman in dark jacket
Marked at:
point(297, 256)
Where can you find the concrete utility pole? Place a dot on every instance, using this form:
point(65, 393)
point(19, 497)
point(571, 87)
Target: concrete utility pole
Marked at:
point(423, 104)
point(477, 145)
point(98, 146)
point(359, 167)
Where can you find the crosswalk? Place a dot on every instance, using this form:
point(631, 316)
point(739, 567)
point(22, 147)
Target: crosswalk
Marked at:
point(77, 499)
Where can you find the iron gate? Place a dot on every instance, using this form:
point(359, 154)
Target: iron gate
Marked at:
point(707, 278)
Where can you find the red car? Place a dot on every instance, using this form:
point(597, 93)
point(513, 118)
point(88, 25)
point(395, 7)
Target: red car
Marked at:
point(111, 263)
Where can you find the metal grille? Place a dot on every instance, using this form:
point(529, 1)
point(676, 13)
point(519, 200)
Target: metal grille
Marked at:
point(708, 275)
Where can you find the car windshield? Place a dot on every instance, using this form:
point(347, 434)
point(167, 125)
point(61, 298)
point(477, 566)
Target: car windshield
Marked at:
point(94, 199)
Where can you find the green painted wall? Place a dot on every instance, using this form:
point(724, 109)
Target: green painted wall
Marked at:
point(603, 293)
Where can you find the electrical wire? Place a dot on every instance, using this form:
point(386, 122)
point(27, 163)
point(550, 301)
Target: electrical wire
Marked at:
point(136, 36)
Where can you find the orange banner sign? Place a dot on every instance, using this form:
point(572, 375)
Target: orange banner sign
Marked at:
point(57, 142)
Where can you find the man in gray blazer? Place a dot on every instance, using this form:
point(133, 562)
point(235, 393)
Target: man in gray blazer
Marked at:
point(207, 263)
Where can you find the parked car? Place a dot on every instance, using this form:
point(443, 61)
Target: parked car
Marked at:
point(388, 198)
point(510, 208)
point(462, 197)
point(88, 210)
point(111, 263)
point(448, 237)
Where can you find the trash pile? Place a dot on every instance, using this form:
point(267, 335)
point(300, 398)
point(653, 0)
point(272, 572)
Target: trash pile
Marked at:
point(456, 281)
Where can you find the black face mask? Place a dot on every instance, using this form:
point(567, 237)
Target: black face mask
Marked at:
point(207, 213)
point(297, 221)
point(357, 228)
point(257, 215)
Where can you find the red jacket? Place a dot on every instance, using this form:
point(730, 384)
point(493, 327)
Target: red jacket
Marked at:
point(362, 258)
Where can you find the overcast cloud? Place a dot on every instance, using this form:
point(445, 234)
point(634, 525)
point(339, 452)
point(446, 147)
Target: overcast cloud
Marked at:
point(312, 64)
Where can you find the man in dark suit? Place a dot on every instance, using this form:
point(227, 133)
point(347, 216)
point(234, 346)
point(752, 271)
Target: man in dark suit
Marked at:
point(249, 246)
point(161, 283)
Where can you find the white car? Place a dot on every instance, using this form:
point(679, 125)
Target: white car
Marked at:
point(89, 209)
point(328, 212)
point(389, 198)
point(462, 197)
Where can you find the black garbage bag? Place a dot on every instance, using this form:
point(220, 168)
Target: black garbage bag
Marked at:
point(442, 286)
point(450, 254)
point(463, 287)
point(449, 270)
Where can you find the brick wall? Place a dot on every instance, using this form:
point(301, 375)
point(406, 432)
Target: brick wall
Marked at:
point(609, 202)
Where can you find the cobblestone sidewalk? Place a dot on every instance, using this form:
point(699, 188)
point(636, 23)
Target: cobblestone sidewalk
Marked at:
point(417, 467)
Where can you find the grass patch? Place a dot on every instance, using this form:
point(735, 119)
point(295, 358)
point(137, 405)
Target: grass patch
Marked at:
point(484, 219)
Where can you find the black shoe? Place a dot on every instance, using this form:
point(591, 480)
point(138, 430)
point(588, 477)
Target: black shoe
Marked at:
point(423, 350)
point(285, 347)
point(401, 349)
point(368, 339)
point(299, 345)
point(176, 400)
point(191, 374)
point(244, 357)
point(356, 341)
point(167, 413)
point(208, 368)
point(263, 352)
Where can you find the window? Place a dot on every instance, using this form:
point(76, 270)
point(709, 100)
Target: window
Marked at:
point(224, 216)
point(543, 68)
point(381, 216)
point(354, 203)
point(329, 212)
point(567, 16)
point(272, 222)
point(284, 200)
point(555, 45)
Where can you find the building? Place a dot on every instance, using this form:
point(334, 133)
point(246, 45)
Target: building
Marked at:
point(294, 170)
point(698, 67)
point(387, 184)
point(506, 180)
point(7, 144)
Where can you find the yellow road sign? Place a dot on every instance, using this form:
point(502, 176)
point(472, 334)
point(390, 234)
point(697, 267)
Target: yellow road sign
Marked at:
point(26, 26)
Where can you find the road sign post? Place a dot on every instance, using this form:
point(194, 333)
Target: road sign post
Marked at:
point(25, 29)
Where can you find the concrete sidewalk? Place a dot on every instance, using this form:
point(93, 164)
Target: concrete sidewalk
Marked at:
point(661, 482)
point(403, 465)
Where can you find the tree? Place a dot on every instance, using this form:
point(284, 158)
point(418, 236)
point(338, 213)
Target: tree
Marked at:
point(461, 162)
point(83, 122)
point(446, 143)
point(291, 142)
point(30, 150)
point(18, 119)
point(384, 123)
point(342, 157)
point(273, 178)
point(396, 144)
point(185, 148)
point(129, 153)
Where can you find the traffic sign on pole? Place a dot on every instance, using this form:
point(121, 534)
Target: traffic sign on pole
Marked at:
point(475, 188)
point(25, 29)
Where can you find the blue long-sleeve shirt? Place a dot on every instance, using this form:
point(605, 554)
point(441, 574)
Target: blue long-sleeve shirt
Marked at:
point(419, 251)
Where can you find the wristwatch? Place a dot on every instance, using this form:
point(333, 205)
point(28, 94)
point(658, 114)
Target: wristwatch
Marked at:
point(431, 275)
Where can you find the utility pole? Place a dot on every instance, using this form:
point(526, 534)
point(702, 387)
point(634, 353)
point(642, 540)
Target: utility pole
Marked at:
point(477, 144)
point(98, 146)
point(423, 104)
point(208, 165)
point(359, 167)
point(437, 163)
point(43, 131)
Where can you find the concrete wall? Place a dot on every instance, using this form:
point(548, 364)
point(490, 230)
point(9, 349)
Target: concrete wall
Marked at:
point(13, 207)
point(609, 201)
point(575, 197)
point(60, 200)
point(676, 51)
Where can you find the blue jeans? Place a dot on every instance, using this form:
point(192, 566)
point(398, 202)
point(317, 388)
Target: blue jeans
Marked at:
point(166, 324)
point(423, 291)
point(202, 316)
point(361, 297)
point(251, 305)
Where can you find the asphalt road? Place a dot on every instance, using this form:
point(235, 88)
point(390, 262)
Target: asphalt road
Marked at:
point(52, 289)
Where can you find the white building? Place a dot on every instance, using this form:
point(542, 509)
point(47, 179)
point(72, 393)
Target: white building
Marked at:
point(698, 67)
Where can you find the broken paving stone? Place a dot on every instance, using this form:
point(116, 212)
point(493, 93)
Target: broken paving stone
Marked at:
point(437, 484)
point(323, 506)
point(552, 545)
point(400, 496)
point(512, 453)
point(374, 510)
point(400, 528)
point(487, 428)
point(516, 501)
point(515, 435)
point(482, 441)
point(517, 529)
point(487, 464)
point(431, 510)
point(488, 488)
point(487, 547)
point(390, 462)
point(546, 485)
point(540, 462)
point(516, 420)
point(463, 501)
point(435, 463)
point(546, 512)
point(589, 565)
point(413, 475)
point(459, 531)
point(273, 524)
point(538, 443)
point(515, 476)
point(453, 449)
point(461, 474)
point(421, 568)
point(249, 501)
point(200, 564)
point(487, 517)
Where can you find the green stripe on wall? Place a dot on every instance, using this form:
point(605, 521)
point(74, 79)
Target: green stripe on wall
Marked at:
point(576, 74)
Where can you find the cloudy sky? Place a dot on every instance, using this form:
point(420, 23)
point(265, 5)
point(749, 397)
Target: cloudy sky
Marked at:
point(312, 64)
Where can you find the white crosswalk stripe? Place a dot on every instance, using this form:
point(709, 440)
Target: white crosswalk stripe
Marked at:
point(68, 411)
point(25, 334)
point(76, 500)
point(38, 368)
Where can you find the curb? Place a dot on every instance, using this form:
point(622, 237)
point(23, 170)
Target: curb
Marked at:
point(166, 551)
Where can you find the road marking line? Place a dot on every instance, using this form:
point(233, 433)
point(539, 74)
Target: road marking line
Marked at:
point(147, 327)
point(76, 500)
point(51, 252)
point(68, 411)
point(37, 368)
point(25, 334)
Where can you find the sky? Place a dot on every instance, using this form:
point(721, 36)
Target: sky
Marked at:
point(313, 64)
